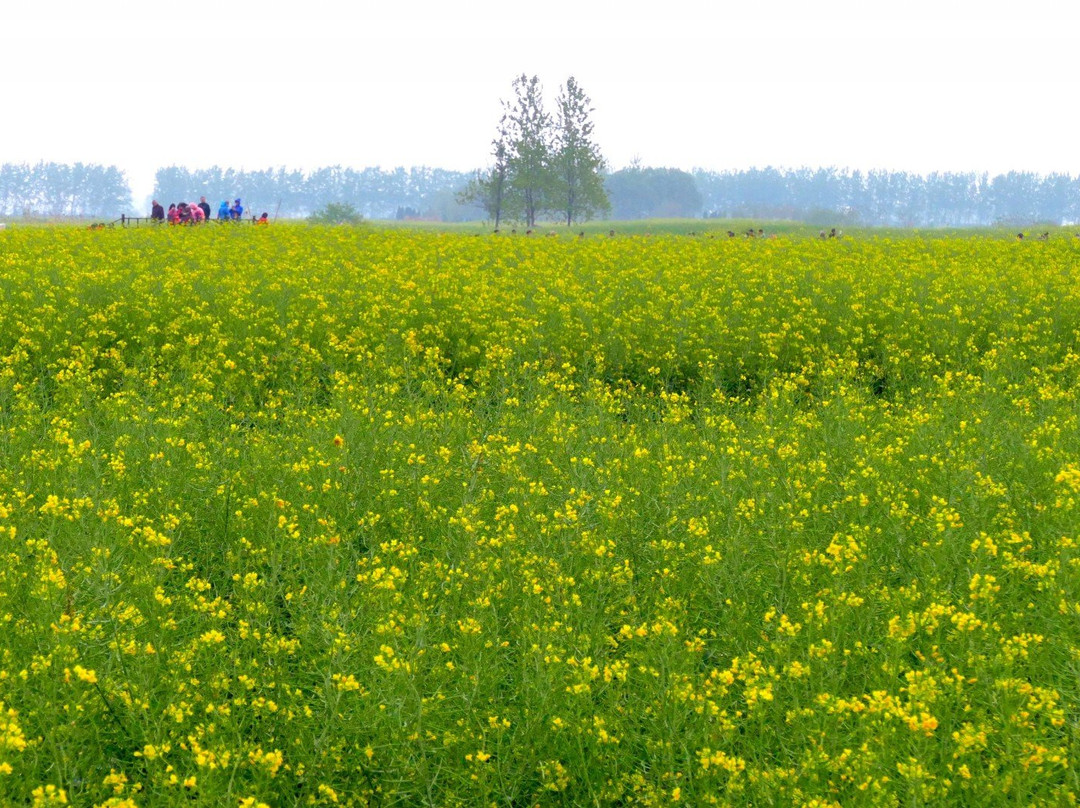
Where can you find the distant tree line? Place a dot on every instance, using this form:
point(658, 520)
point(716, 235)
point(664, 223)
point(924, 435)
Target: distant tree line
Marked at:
point(375, 193)
point(820, 196)
point(59, 189)
point(890, 198)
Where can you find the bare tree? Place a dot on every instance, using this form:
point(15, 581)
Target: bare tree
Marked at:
point(489, 190)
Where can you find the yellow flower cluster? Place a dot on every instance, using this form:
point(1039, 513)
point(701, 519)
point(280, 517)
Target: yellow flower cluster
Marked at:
point(306, 516)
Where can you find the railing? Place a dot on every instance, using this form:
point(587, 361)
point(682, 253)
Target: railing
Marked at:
point(126, 221)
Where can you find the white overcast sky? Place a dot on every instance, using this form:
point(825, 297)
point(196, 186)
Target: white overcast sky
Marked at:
point(915, 85)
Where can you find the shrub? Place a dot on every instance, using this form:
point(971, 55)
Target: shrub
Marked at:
point(336, 213)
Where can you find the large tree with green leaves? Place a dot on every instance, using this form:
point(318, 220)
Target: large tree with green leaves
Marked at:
point(530, 150)
point(578, 191)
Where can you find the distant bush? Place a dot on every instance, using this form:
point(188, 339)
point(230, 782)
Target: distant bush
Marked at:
point(645, 193)
point(336, 213)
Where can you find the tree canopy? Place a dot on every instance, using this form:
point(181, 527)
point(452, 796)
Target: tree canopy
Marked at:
point(543, 163)
point(59, 189)
point(645, 193)
point(818, 195)
point(578, 191)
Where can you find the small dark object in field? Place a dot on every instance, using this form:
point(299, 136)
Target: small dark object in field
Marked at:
point(731, 234)
point(822, 234)
point(1044, 237)
point(581, 234)
point(496, 231)
point(832, 233)
point(528, 232)
point(610, 233)
point(1019, 236)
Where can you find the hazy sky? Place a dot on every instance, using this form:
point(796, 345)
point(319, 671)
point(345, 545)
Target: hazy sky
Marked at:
point(913, 85)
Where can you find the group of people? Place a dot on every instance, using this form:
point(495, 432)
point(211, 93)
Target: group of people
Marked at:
point(185, 213)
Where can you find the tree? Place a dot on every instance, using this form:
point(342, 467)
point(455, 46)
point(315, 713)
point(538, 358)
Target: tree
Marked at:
point(336, 213)
point(489, 190)
point(578, 184)
point(643, 193)
point(58, 189)
point(529, 149)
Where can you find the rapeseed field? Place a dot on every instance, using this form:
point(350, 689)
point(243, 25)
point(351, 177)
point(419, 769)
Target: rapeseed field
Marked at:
point(297, 516)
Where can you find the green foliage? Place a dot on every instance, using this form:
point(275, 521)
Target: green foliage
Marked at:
point(336, 213)
point(63, 190)
point(529, 148)
point(644, 193)
point(542, 164)
point(578, 191)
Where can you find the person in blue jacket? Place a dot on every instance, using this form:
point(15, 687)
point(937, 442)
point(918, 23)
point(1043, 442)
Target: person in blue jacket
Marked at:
point(223, 211)
point(236, 212)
